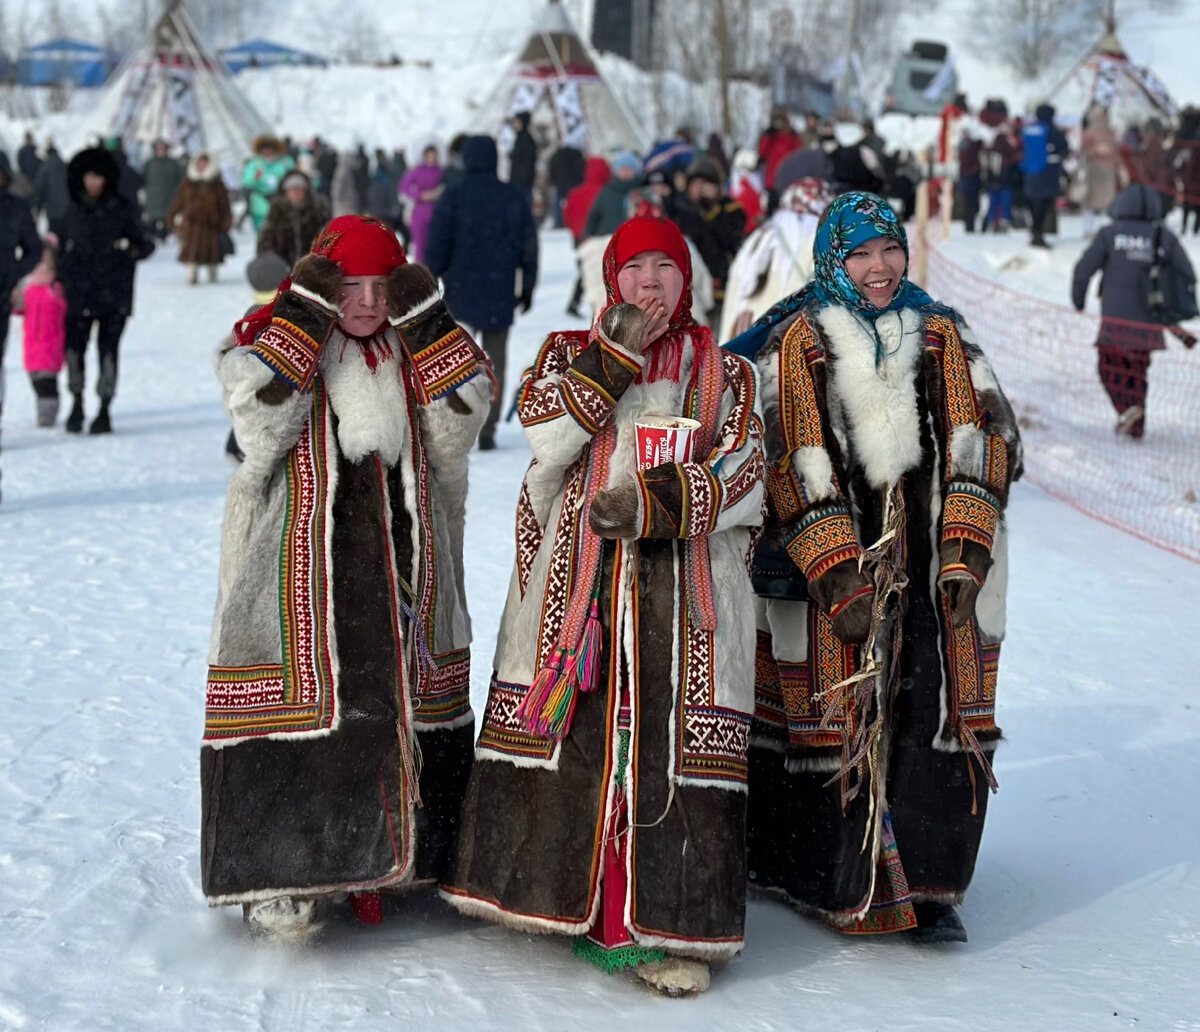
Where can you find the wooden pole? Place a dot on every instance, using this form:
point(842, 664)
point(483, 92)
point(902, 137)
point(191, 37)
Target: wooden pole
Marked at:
point(922, 233)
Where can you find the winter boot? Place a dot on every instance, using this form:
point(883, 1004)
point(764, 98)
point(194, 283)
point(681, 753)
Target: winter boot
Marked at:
point(101, 424)
point(75, 419)
point(191, 275)
point(675, 976)
point(47, 411)
point(284, 919)
point(212, 274)
point(937, 922)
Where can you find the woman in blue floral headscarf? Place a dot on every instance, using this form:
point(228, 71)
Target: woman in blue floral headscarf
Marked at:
point(890, 449)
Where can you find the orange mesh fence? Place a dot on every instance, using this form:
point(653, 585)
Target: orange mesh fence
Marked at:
point(1068, 394)
point(1173, 170)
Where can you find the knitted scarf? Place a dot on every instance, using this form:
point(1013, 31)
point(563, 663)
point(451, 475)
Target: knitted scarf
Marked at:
point(572, 667)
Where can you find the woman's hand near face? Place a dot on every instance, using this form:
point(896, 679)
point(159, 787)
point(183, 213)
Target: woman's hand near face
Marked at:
point(657, 318)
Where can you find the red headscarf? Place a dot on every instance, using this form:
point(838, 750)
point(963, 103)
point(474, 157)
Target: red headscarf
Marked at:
point(359, 244)
point(647, 233)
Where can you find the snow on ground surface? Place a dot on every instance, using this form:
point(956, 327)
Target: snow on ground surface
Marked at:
point(1085, 909)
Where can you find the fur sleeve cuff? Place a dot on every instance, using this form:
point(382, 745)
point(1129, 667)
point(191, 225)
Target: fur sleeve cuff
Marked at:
point(679, 500)
point(444, 356)
point(970, 513)
point(821, 539)
point(595, 380)
point(291, 343)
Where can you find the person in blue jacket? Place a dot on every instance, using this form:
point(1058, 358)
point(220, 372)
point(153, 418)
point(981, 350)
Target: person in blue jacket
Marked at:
point(483, 244)
point(1045, 146)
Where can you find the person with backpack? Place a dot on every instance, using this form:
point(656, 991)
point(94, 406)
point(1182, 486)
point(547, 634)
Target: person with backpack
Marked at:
point(1124, 252)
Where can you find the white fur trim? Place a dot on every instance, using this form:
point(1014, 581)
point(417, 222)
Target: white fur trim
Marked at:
point(966, 451)
point(529, 762)
point(813, 467)
point(488, 911)
point(991, 605)
point(316, 299)
point(417, 309)
point(371, 407)
point(633, 356)
point(876, 404)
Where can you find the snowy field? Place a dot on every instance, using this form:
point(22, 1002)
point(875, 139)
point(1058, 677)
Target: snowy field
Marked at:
point(1085, 909)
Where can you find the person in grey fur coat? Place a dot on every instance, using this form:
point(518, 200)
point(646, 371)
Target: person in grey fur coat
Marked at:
point(338, 727)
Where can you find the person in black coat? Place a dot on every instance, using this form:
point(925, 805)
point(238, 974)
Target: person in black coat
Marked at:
point(103, 240)
point(1123, 252)
point(50, 193)
point(715, 223)
point(522, 159)
point(566, 170)
point(483, 244)
point(20, 251)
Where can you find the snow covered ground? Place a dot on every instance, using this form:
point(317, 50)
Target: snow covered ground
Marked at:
point(1085, 909)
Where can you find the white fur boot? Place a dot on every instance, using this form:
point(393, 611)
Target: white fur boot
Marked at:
point(284, 919)
point(675, 976)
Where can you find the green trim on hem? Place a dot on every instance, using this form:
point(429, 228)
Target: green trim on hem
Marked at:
point(615, 959)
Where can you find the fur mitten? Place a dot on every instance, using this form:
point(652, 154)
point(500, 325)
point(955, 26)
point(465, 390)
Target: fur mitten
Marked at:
point(410, 287)
point(964, 568)
point(318, 279)
point(848, 596)
point(615, 512)
point(623, 325)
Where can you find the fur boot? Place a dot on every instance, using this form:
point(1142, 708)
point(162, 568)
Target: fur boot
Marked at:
point(191, 274)
point(102, 424)
point(284, 919)
point(675, 976)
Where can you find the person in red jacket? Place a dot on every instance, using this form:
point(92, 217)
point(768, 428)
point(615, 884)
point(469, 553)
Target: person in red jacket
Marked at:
point(778, 140)
point(575, 212)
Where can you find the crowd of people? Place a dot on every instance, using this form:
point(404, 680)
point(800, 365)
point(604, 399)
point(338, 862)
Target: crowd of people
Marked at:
point(753, 628)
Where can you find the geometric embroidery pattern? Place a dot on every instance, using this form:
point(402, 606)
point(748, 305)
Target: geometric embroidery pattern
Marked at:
point(297, 697)
point(504, 731)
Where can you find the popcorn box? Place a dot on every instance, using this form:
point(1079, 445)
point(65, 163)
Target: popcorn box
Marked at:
point(663, 439)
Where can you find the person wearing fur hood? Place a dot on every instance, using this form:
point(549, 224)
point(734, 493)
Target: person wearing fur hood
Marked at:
point(338, 727)
point(199, 215)
point(890, 450)
point(608, 795)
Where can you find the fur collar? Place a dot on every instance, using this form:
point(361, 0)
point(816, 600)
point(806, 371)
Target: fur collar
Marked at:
point(371, 407)
point(873, 408)
point(207, 176)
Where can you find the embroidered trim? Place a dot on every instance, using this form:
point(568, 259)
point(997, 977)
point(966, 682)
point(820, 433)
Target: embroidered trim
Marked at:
point(970, 512)
point(446, 364)
point(822, 539)
point(289, 352)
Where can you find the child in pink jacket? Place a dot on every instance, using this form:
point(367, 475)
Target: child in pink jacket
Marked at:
point(45, 309)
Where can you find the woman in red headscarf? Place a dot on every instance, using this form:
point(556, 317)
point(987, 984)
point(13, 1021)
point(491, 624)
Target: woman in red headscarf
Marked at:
point(608, 796)
point(340, 652)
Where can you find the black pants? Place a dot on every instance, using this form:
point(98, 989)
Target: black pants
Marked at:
point(1039, 211)
point(495, 346)
point(108, 340)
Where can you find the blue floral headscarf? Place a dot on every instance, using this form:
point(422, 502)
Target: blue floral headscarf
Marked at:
point(851, 220)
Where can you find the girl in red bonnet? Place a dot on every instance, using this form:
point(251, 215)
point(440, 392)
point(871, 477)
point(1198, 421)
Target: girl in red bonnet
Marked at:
point(338, 725)
point(608, 795)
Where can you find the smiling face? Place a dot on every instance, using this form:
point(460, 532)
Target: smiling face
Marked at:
point(363, 301)
point(876, 267)
point(651, 275)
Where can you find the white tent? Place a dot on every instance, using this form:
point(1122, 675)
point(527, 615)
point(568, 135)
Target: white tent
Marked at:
point(173, 88)
point(1106, 77)
point(557, 79)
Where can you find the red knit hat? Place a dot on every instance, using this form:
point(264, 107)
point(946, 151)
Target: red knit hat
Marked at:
point(361, 245)
point(646, 233)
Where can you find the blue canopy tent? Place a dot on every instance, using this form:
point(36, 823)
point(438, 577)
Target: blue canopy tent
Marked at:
point(262, 53)
point(63, 61)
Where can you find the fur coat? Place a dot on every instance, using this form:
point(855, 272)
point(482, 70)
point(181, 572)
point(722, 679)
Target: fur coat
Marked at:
point(341, 626)
point(199, 214)
point(533, 823)
point(891, 453)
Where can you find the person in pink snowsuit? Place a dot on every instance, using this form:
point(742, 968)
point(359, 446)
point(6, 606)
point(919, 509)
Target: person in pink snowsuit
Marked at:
point(422, 186)
point(45, 309)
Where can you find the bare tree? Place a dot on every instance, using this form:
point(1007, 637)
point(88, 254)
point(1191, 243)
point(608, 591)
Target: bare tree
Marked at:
point(1037, 36)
